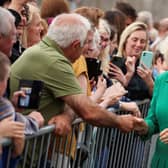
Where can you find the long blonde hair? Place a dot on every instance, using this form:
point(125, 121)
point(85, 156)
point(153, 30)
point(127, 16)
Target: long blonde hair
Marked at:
point(104, 27)
point(33, 10)
point(127, 32)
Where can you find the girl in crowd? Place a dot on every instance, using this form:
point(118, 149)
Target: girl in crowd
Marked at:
point(159, 64)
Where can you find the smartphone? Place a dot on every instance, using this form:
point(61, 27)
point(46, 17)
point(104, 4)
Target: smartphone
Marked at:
point(146, 59)
point(32, 89)
point(93, 66)
point(118, 61)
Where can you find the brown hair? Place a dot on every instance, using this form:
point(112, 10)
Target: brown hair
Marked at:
point(158, 55)
point(52, 8)
point(127, 9)
point(116, 19)
point(91, 13)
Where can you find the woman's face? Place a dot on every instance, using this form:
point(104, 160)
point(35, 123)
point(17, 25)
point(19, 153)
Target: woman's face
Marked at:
point(105, 39)
point(34, 30)
point(22, 23)
point(136, 43)
point(88, 45)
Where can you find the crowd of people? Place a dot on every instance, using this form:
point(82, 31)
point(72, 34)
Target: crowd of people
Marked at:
point(55, 45)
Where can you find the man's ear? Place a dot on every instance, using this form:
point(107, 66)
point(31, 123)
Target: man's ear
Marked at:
point(76, 44)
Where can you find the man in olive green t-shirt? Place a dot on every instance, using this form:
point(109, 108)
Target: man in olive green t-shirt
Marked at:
point(51, 67)
point(50, 61)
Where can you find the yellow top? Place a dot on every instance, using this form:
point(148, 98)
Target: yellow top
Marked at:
point(80, 67)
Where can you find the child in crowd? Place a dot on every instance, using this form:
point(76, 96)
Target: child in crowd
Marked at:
point(159, 64)
point(14, 125)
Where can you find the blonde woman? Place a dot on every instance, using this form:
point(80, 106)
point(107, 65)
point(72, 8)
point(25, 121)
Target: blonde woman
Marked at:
point(138, 81)
point(34, 28)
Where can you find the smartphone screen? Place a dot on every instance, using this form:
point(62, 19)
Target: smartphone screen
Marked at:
point(118, 61)
point(93, 66)
point(146, 59)
point(32, 90)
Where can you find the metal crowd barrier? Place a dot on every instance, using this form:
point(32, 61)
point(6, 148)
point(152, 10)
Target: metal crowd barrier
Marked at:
point(85, 147)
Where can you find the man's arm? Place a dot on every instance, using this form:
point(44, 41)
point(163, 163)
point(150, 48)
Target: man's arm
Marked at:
point(95, 115)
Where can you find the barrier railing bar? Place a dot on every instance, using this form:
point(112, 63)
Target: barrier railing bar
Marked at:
point(99, 153)
point(52, 161)
point(64, 153)
point(124, 148)
point(106, 146)
point(77, 156)
point(33, 152)
point(44, 130)
point(9, 156)
point(93, 146)
point(25, 153)
point(59, 150)
point(111, 140)
point(70, 147)
point(46, 151)
point(41, 150)
point(112, 135)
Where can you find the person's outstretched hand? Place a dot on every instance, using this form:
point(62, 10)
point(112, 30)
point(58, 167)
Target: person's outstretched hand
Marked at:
point(131, 107)
point(113, 94)
point(128, 122)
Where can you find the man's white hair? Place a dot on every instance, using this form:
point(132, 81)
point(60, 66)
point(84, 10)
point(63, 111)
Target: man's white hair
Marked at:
point(7, 21)
point(66, 28)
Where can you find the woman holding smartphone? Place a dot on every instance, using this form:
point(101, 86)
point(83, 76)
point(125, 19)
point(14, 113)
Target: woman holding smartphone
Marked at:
point(137, 80)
